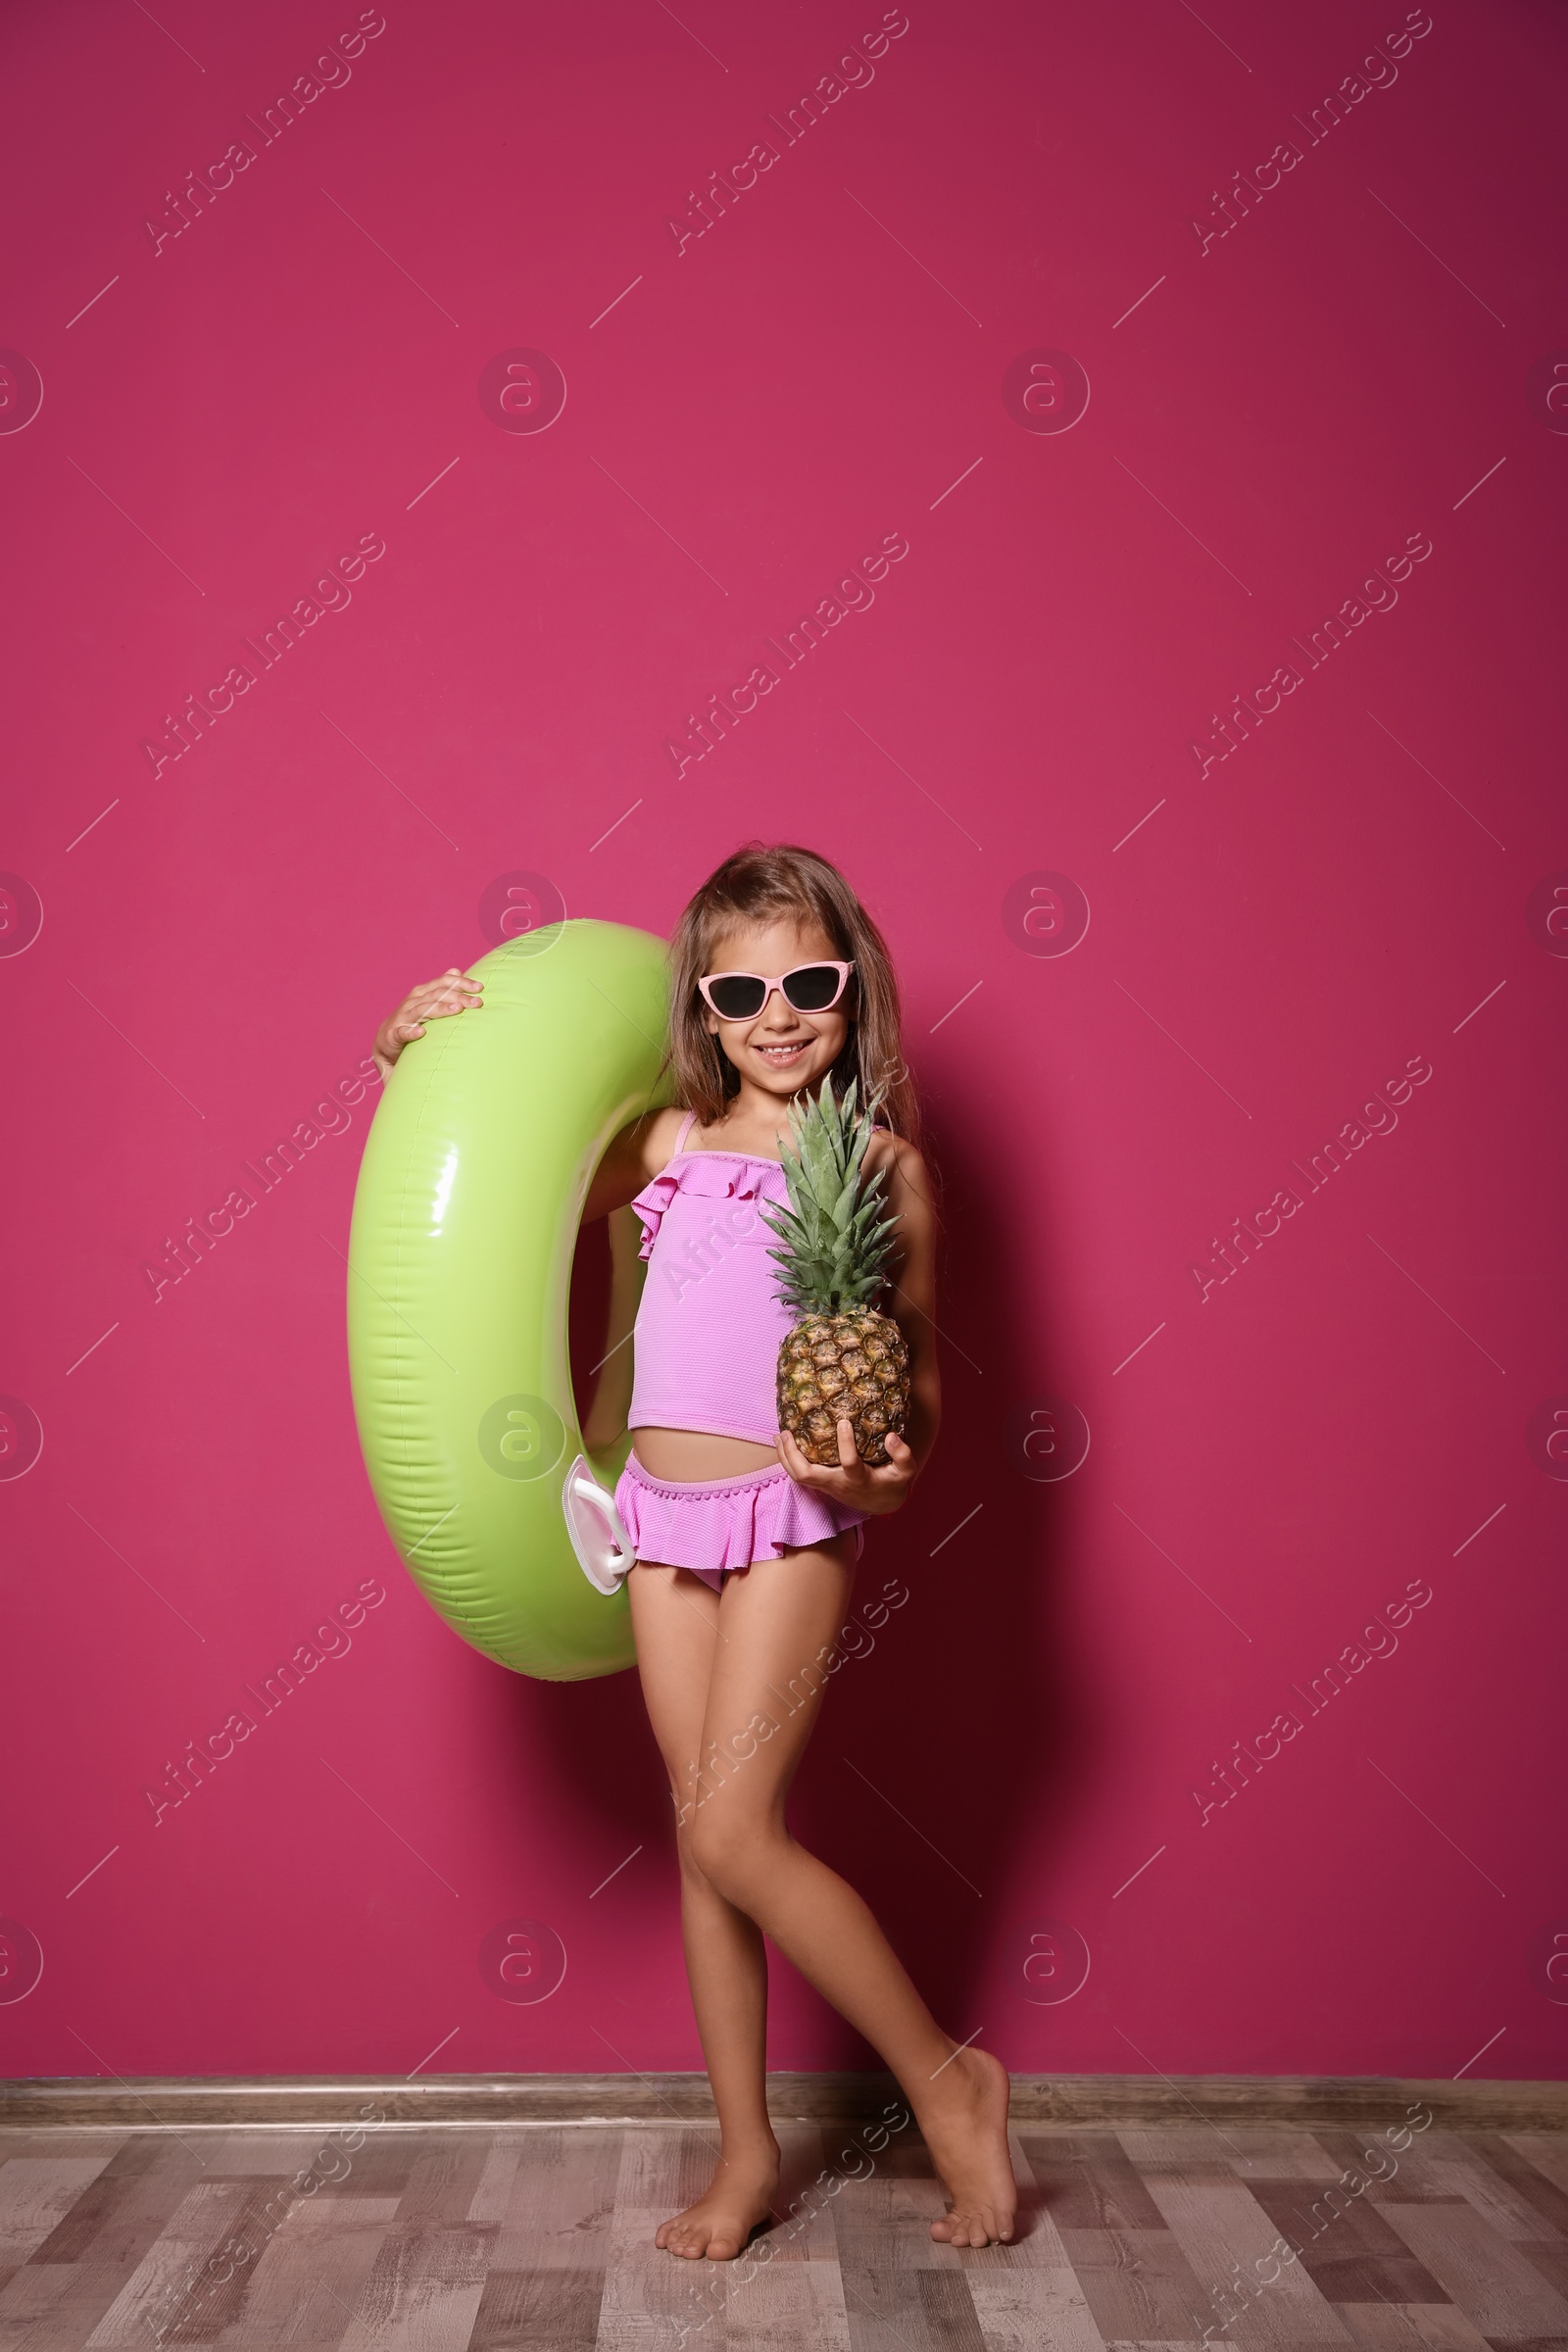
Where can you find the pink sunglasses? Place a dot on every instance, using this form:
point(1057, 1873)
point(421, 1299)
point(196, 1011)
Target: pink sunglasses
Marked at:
point(742, 996)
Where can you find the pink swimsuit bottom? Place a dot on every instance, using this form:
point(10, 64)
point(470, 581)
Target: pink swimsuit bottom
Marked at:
point(715, 1526)
point(705, 1350)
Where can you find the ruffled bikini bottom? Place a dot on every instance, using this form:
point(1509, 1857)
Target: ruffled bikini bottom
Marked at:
point(714, 1526)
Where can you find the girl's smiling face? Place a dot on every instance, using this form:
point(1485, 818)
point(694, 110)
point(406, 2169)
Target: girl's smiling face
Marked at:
point(780, 1050)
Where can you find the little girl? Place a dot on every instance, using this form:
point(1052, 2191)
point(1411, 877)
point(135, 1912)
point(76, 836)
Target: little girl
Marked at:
point(746, 1550)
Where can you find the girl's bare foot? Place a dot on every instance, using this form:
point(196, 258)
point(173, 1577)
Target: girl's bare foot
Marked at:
point(968, 2136)
point(740, 2194)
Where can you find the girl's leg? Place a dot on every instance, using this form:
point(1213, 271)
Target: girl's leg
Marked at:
point(776, 1626)
point(676, 1618)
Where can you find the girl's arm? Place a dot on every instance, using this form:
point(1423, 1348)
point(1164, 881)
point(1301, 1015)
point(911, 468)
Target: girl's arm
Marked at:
point(607, 1415)
point(912, 1282)
point(636, 1154)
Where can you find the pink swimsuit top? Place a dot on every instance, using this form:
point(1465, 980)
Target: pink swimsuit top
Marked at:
point(710, 1321)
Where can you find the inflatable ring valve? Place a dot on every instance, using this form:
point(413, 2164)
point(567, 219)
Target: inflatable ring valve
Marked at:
point(465, 1219)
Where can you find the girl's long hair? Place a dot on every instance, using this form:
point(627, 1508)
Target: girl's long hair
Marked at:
point(758, 883)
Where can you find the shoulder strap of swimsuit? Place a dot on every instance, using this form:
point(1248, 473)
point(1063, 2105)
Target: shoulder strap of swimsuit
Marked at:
point(686, 1126)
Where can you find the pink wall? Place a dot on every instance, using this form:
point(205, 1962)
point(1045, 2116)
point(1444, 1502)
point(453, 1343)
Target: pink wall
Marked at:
point(1361, 364)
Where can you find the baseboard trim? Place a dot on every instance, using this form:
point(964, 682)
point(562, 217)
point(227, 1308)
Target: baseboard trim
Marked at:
point(1066, 2101)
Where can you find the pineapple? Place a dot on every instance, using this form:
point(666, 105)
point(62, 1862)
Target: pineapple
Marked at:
point(843, 1359)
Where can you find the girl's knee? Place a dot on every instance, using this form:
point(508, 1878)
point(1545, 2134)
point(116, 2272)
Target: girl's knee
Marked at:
point(732, 1851)
point(691, 1870)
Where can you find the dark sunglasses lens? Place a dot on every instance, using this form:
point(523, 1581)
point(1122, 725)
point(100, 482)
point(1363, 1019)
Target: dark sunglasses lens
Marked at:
point(813, 988)
point(736, 997)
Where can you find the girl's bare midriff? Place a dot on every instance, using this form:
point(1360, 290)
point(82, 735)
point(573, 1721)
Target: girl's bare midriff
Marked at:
point(682, 1454)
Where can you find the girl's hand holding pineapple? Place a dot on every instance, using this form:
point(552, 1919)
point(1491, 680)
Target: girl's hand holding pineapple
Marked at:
point(844, 1370)
point(855, 1484)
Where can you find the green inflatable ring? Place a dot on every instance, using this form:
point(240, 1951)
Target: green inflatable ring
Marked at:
point(465, 1218)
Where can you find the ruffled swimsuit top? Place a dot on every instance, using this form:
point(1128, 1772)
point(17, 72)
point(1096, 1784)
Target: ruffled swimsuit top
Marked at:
point(710, 1322)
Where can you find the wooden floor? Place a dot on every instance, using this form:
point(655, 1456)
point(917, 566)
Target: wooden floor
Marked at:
point(437, 2240)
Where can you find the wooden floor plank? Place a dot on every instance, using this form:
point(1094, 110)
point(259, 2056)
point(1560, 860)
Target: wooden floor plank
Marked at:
point(422, 2291)
point(305, 2281)
point(1457, 2167)
point(1231, 2243)
point(1023, 2310)
point(1443, 2165)
point(1273, 2151)
point(1548, 2151)
point(1550, 2258)
point(907, 2310)
point(653, 2300)
point(1403, 2327)
point(1089, 2181)
point(1529, 2192)
point(380, 2166)
point(443, 2181)
point(36, 2307)
point(497, 2183)
point(36, 2192)
point(100, 2141)
point(137, 2182)
point(98, 2250)
point(788, 2304)
point(1397, 2172)
point(177, 2293)
point(1498, 2288)
point(1344, 2243)
point(553, 2310)
point(1138, 2285)
point(563, 2195)
point(230, 2155)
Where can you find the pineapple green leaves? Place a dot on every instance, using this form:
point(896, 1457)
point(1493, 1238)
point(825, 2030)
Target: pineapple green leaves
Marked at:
point(836, 1237)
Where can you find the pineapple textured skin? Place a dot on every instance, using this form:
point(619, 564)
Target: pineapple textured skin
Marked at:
point(843, 1359)
point(855, 1367)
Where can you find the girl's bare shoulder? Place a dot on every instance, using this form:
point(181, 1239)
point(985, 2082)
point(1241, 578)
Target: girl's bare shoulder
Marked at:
point(633, 1155)
point(656, 1133)
point(901, 1159)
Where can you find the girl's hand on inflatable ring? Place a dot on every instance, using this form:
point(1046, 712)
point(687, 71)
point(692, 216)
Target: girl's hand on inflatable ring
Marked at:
point(431, 1000)
point(854, 1482)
